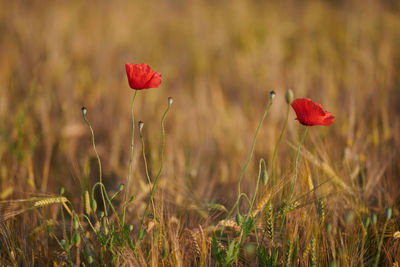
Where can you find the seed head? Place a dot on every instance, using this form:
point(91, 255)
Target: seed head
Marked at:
point(84, 111)
point(170, 101)
point(272, 95)
point(289, 96)
point(140, 124)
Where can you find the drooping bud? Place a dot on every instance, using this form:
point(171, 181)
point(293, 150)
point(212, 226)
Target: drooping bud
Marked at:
point(289, 96)
point(170, 101)
point(140, 124)
point(130, 227)
point(61, 191)
point(264, 177)
point(272, 95)
point(84, 111)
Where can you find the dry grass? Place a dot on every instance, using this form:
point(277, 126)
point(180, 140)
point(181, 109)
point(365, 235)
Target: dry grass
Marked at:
point(219, 60)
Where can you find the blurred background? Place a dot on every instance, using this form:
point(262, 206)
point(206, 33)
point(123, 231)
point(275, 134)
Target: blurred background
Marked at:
point(219, 60)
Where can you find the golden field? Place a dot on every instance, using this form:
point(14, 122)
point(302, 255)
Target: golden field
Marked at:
point(219, 60)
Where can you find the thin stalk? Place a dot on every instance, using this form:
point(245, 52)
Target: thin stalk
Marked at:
point(376, 262)
point(131, 157)
point(161, 165)
point(261, 162)
point(146, 169)
point(98, 161)
point(108, 200)
point(277, 146)
point(247, 163)
point(295, 178)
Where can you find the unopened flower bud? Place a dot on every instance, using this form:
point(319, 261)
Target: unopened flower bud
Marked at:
point(170, 101)
point(388, 213)
point(374, 218)
point(121, 187)
point(141, 124)
point(76, 238)
point(61, 191)
point(93, 205)
point(272, 95)
point(264, 177)
point(366, 221)
point(84, 111)
point(289, 96)
point(130, 227)
point(75, 224)
point(63, 243)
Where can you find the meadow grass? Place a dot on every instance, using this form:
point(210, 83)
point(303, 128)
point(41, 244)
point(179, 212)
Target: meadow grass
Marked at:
point(200, 190)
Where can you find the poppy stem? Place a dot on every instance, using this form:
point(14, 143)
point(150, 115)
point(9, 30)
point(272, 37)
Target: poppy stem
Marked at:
point(98, 161)
point(277, 146)
point(146, 169)
point(295, 177)
point(157, 176)
point(236, 205)
point(251, 151)
point(130, 158)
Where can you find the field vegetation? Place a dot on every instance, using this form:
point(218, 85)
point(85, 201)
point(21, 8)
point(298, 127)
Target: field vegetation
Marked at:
point(212, 194)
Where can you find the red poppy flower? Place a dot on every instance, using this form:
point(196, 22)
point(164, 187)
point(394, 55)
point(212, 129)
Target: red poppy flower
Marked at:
point(141, 76)
point(310, 113)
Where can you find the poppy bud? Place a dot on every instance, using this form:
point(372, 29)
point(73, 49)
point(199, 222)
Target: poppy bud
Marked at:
point(264, 177)
point(349, 217)
point(374, 218)
point(90, 259)
point(101, 214)
point(141, 124)
point(289, 96)
point(272, 95)
point(121, 187)
point(63, 243)
point(329, 227)
point(170, 101)
point(366, 221)
point(84, 111)
point(93, 205)
point(61, 191)
point(75, 224)
point(76, 238)
point(130, 227)
point(388, 213)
